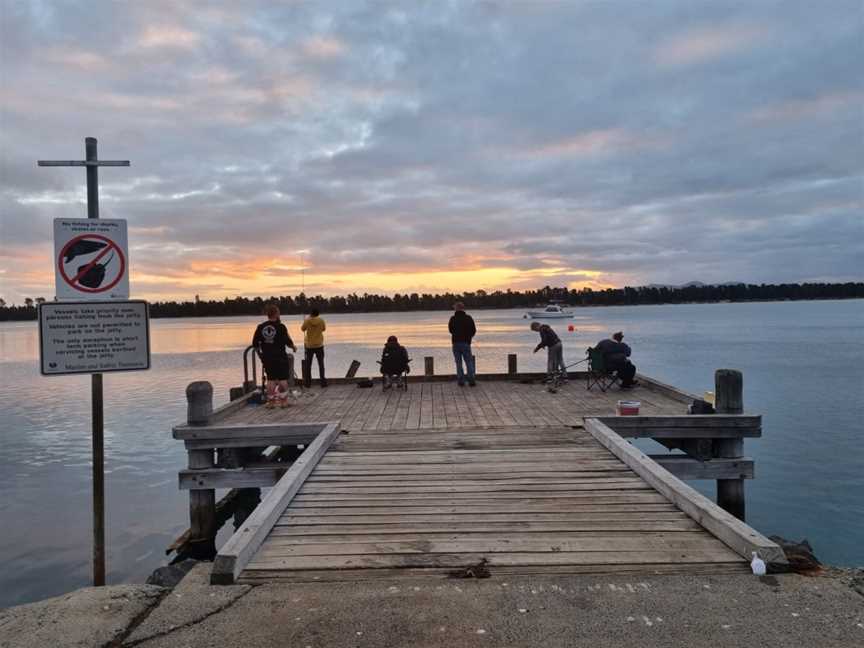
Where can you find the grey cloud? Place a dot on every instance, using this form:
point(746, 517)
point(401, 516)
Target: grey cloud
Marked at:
point(412, 138)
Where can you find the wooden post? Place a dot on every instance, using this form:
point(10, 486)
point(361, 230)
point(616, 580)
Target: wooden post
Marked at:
point(429, 365)
point(511, 364)
point(352, 370)
point(202, 503)
point(729, 399)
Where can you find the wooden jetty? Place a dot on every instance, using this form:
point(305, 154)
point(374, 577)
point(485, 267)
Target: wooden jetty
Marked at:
point(442, 480)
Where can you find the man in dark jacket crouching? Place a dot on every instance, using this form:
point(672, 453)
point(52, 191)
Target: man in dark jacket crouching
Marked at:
point(616, 355)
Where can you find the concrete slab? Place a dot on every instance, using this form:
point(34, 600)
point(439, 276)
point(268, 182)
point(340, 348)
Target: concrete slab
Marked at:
point(88, 617)
point(191, 601)
point(549, 611)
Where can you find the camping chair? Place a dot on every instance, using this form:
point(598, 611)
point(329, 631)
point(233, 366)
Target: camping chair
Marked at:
point(598, 373)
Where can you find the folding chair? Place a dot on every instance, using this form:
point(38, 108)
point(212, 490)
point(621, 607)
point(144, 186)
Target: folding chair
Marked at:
point(598, 373)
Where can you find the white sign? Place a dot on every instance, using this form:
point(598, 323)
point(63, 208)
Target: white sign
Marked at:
point(91, 259)
point(93, 337)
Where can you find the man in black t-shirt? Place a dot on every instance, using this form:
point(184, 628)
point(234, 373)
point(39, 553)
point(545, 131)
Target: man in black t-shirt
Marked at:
point(270, 341)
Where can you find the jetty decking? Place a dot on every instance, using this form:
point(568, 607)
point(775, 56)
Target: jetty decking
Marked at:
point(505, 499)
point(505, 477)
point(444, 405)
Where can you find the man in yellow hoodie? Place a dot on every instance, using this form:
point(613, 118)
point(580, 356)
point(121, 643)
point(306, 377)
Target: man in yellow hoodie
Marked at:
point(314, 327)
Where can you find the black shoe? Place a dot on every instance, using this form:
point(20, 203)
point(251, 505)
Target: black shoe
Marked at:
point(461, 384)
point(323, 384)
point(472, 384)
point(628, 386)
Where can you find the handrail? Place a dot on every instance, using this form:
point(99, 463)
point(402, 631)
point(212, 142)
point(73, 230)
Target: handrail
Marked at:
point(246, 367)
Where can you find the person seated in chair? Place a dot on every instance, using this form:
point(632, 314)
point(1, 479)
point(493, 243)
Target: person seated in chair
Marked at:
point(616, 356)
point(394, 361)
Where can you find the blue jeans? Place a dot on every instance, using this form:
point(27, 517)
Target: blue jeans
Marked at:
point(463, 350)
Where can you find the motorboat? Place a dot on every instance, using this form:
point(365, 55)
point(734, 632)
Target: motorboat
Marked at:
point(552, 311)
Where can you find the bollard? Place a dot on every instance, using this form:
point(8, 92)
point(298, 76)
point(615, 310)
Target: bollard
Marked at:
point(429, 365)
point(202, 503)
point(729, 399)
point(199, 398)
point(511, 364)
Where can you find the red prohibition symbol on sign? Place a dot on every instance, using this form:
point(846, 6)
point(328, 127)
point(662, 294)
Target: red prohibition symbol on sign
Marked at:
point(89, 276)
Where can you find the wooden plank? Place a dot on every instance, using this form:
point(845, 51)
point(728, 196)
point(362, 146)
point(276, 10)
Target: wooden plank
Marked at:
point(277, 547)
point(684, 467)
point(615, 471)
point(249, 477)
point(242, 442)
point(685, 421)
point(469, 468)
point(446, 518)
point(306, 432)
point(629, 525)
point(733, 532)
point(636, 484)
point(695, 532)
point(605, 498)
point(464, 509)
point(254, 576)
point(363, 561)
point(458, 481)
point(240, 548)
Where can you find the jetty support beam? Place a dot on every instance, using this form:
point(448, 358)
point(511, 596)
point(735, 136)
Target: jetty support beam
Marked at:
point(729, 399)
point(202, 503)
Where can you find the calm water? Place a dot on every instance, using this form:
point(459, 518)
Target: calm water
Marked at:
point(802, 364)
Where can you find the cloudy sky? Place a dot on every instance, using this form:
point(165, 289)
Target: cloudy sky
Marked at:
point(438, 145)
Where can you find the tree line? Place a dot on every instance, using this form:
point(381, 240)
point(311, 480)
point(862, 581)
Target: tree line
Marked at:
point(480, 299)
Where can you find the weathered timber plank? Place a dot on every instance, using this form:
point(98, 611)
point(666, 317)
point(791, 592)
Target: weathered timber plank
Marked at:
point(621, 423)
point(606, 498)
point(687, 468)
point(636, 484)
point(307, 431)
point(695, 532)
point(250, 477)
point(721, 554)
point(240, 548)
point(734, 533)
point(463, 509)
point(559, 516)
point(275, 547)
point(681, 523)
point(616, 471)
point(254, 576)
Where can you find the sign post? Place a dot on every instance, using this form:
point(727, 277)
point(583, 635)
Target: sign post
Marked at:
point(92, 164)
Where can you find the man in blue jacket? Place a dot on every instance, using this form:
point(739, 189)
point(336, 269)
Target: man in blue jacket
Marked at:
point(462, 331)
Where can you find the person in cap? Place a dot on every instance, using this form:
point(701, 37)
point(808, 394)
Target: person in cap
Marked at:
point(616, 355)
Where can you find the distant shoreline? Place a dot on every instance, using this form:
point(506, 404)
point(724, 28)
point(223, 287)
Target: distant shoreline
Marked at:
point(32, 316)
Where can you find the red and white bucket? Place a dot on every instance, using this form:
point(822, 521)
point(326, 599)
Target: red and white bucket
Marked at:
point(628, 407)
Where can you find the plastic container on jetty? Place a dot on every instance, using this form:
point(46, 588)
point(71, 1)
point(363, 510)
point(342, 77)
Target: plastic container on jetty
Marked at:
point(628, 407)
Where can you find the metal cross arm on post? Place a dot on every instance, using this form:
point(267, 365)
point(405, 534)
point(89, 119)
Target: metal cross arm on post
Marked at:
point(83, 163)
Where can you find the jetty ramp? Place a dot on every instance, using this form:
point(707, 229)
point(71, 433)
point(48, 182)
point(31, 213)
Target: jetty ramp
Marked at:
point(448, 481)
